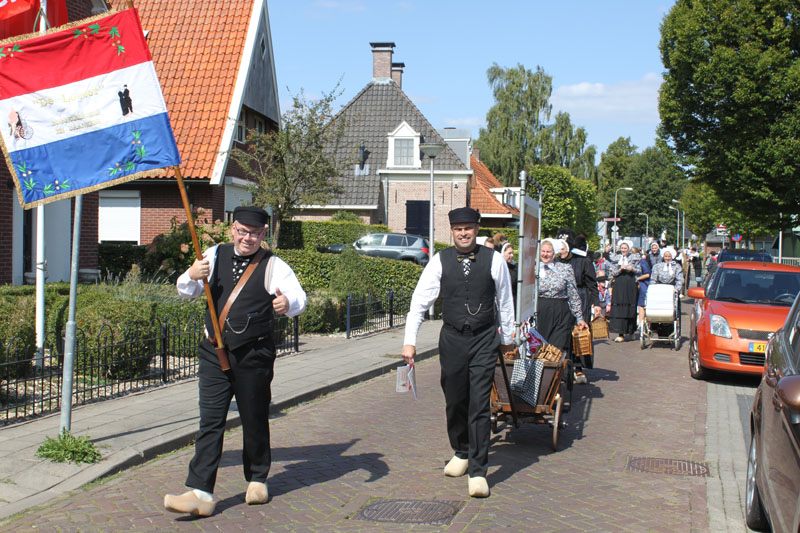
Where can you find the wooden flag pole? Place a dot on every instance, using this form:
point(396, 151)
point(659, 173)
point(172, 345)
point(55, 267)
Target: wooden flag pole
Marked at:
point(222, 354)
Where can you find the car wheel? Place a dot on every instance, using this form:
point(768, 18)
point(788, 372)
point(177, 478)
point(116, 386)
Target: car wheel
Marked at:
point(695, 368)
point(754, 509)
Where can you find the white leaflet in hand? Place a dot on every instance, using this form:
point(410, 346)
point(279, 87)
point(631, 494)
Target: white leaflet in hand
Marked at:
point(403, 384)
point(412, 380)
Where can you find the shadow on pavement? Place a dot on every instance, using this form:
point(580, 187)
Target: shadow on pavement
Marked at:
point(308, 465)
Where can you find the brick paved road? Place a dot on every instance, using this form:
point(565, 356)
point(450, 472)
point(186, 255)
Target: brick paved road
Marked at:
point(335, 455)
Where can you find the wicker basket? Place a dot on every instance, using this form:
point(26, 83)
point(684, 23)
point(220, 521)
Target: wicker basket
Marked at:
point(599, 328)
point(548, 352)
point(581, 341)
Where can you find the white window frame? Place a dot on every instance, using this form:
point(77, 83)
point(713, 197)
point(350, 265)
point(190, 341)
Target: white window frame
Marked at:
point(240, 132)
point(260, 125)
point(404, 132)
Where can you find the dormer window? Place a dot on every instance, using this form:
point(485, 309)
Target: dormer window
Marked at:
point(403, 147)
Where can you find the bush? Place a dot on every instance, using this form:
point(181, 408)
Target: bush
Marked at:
point(346, 216)
point(69, 449)
point(171, 253)
point(18, 325)
point(115, 260)
point(308, 235)
point(348, 275)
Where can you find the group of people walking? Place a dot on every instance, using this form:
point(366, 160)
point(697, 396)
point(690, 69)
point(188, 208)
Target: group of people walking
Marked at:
point(477, 285)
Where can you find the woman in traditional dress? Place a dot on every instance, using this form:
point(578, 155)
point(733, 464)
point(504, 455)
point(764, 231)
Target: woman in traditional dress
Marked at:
point(508, 254)
point(624, 268)
point(559, 302)
point(669, 272)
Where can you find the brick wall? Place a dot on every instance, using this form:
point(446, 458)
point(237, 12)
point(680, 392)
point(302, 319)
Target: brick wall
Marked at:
point(446, 198)
point(161, 202)
point(7, 197)
point(89, 213)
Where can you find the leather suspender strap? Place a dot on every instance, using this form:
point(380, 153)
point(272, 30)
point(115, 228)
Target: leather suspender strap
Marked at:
point(223, 316)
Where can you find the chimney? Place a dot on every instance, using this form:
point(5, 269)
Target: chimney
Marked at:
point(476, 153)
point(397, 73)
point(382, 60)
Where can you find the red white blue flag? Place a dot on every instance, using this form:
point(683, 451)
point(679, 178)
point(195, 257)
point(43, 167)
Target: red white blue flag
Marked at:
point(82, 110)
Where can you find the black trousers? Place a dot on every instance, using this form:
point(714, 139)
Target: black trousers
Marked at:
point(468, 361)
point(249, 381)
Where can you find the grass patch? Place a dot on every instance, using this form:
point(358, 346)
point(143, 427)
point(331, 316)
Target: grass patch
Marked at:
point(68, 448)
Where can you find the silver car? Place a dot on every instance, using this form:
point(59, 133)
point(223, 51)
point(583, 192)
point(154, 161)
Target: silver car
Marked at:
point(401, 246)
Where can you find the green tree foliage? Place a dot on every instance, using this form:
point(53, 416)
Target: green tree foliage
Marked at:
point(705, 210)
point(568, 201)
point(614, 163)
point(730, 102)
point(563, 145)
point(656, 180)
point(345, 216)
point(515, 122)
point(517, 135)
point(296, 165)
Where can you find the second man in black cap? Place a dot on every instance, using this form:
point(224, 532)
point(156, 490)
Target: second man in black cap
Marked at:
point(473, 281)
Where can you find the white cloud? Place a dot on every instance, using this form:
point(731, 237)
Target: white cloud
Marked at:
point(472, 123)
point(628, 101)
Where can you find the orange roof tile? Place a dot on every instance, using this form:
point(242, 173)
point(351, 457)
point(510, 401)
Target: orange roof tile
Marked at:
point(196, 48)
point(481, 198)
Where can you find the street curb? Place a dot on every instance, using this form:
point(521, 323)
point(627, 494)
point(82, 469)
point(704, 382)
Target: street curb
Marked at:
point(130, 457)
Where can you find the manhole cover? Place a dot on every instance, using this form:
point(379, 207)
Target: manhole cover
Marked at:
point(675, 467)
point(434, 512)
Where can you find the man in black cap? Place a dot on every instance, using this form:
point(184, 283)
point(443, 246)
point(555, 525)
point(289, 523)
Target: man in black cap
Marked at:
point(248, 284)
point(474, 281)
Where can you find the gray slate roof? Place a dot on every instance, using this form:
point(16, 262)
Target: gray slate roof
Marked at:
point(378, 109)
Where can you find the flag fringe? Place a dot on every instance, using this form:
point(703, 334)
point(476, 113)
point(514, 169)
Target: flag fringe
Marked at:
point(74, 24)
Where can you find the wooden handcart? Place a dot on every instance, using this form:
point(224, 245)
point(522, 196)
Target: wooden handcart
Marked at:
point(510, 408)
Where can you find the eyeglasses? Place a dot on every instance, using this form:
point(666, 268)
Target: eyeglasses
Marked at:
point(244, 233)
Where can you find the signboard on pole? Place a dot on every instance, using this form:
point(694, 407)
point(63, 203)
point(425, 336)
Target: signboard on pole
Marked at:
point(527, 257)
point(82, 110)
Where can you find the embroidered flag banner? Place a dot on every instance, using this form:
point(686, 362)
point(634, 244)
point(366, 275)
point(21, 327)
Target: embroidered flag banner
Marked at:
point(82, 109)
point(18, 17)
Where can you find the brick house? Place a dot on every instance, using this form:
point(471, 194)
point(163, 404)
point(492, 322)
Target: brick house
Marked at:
point(217, 72)
point(390, 182)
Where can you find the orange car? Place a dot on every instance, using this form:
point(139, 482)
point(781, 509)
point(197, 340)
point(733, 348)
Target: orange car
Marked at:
point(736, 313)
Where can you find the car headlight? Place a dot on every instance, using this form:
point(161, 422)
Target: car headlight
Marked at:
point(719, 326)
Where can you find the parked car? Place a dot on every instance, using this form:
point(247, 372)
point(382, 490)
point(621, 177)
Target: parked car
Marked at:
point(772, 488)
point(736, 313)
point(739, 254)
point(402, 246)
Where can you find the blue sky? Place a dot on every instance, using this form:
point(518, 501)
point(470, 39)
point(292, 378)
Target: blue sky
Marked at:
point(602, 55)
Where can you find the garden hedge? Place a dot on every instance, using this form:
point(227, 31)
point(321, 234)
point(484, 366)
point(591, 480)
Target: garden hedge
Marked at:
point(307, 235)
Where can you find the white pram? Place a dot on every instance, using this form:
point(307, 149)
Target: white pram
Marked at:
point(661, 307)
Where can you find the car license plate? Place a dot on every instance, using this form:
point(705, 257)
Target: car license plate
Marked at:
point(758, 347)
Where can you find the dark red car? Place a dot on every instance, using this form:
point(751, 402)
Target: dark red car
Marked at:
point(772, 497)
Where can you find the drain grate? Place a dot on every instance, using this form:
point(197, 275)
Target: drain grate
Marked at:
point(674, 467)
point(433, 512)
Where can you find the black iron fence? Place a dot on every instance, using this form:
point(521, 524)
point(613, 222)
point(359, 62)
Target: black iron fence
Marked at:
point(111, 364)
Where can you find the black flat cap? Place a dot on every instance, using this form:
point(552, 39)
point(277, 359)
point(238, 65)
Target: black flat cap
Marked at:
point(464, 214)
point(251, 215)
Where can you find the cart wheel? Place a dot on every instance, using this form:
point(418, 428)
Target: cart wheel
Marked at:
point(642, 334)
point(494, 423)
point(677, 342)
point(556, 422)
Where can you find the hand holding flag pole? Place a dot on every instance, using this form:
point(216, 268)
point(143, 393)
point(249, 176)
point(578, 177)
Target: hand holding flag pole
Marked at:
point(222, 354)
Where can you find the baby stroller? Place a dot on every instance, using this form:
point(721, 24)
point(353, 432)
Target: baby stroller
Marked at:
point(661, 309)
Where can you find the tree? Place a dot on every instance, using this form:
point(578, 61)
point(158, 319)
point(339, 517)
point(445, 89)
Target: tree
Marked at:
point(562, 144)
point(705, 210)
point(730, 101)
point(567, 201)
point(515, 122)
point(298, 164)
point(656, 180)
point(614, 163)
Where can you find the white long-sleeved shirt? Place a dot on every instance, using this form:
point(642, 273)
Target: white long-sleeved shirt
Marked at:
point(283, 278)
point(430, 283)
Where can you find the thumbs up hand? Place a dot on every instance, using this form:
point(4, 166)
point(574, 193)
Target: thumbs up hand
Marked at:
point(281, 303)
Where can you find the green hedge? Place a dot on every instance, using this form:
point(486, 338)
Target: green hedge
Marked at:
point(115, 260)
point(308, 235)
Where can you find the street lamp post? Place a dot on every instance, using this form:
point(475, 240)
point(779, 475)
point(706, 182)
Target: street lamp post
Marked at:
point(616, 226)
point(646, 225)
point(677, 224)
point(679, 236)
point(431, 150)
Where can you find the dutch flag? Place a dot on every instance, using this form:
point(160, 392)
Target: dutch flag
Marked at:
point(82, 109)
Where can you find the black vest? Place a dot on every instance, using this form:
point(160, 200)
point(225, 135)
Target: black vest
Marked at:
point(250, 316)
point(468, 300)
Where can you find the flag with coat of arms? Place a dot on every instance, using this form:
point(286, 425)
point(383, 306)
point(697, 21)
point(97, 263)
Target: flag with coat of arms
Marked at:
point(82, 109)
